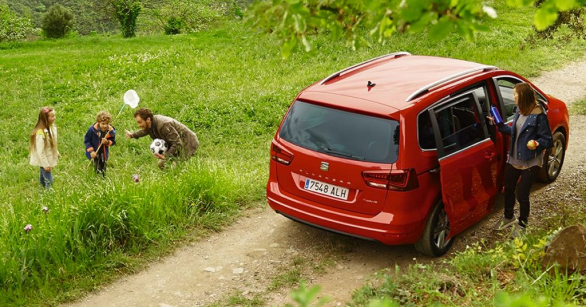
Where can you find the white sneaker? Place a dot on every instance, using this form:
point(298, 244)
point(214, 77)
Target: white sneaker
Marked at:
point(504, 223)
point(518, 231)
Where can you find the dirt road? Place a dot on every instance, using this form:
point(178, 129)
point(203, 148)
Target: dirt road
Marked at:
point(247, 257)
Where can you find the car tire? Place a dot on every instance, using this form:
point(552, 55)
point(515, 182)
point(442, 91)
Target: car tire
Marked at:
point(433, 241)
point(554, 159)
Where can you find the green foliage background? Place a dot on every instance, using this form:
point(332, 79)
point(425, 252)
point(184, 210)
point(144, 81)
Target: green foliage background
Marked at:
point(57, 22)
point(90, 15)
point(228, 84)
point(13, 27)
point(97, 15)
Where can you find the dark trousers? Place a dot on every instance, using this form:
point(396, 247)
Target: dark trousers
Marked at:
point(523, 187)
point(100, 165)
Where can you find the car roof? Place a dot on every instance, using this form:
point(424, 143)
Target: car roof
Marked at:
point(399, 79)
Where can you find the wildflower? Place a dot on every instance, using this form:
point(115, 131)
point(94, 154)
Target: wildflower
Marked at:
point(28, 228)
point(135, 177)
point(45, 209)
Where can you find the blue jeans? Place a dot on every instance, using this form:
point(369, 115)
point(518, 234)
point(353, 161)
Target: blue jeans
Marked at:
point(46, 178)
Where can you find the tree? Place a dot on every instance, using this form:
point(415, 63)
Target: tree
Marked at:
point(294, 20)
point(12, 26)
point(126, 11)
point(57, 22)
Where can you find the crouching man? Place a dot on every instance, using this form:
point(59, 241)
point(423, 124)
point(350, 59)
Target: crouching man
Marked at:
point(182, 143)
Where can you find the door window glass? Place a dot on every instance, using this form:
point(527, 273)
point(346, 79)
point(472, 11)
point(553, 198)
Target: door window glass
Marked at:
point(505, 87)
point(459, 124)
point(425, 130)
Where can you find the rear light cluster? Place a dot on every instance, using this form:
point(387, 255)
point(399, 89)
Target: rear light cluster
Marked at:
point(280, 155)
point(398, 180)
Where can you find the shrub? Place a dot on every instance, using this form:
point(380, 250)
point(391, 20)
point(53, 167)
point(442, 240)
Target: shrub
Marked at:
point(57, 22)
point(174, 26)
point(12, 26)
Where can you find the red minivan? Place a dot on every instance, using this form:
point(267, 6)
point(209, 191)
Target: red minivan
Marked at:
point(398, 149)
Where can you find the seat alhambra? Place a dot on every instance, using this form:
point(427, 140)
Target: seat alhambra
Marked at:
point(398, 149)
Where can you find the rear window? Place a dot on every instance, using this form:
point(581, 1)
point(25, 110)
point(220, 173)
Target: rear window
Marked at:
point(342, 134)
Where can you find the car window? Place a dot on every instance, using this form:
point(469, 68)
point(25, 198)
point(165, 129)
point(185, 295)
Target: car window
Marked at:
point(485, 103)
point(341, 133)
point(425, 130)
point(505, 86)
point(483, 99)
point(459, 124)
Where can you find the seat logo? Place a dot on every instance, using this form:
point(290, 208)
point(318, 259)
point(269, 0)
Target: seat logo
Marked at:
point(324, 166)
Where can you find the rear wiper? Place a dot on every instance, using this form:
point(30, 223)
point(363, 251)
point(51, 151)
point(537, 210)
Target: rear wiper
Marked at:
point(342, 154)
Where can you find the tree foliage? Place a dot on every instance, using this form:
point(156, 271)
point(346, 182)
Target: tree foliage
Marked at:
point(12, 26)
point(57, 22)
point(574, 20)
point(294, 20)
point(177, 16)
point(90, 15)
point(126, 11)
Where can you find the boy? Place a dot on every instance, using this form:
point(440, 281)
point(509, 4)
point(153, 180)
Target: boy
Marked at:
point(98, 139)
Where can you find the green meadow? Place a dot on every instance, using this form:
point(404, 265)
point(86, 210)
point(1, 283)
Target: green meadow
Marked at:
point(228, 84)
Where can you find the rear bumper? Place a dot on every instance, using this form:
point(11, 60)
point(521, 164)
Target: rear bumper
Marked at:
point(383, 227)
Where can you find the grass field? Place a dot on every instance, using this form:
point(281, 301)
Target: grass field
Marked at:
point(229, 84)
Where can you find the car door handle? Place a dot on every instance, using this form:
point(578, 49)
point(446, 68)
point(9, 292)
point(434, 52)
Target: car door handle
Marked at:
point(489, 156)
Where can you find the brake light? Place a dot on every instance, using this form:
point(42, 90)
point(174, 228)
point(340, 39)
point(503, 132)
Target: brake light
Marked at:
point(398, 180)
point(280, 155)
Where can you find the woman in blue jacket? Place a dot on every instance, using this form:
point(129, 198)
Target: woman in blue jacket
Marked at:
point(530, 137)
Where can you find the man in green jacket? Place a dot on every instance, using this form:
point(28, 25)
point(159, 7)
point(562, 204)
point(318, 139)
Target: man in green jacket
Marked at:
point(181, 141)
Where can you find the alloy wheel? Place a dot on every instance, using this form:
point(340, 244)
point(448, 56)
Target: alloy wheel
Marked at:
point(555, 158)
point(441, 230)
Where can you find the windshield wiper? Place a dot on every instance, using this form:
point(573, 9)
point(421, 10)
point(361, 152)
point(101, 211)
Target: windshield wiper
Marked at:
point(342, 154)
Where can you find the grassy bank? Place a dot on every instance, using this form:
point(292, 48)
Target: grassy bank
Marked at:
point(508, 273)
point(228, 84)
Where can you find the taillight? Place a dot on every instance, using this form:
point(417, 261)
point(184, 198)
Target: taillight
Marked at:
point(399, 180)
point(280, 155)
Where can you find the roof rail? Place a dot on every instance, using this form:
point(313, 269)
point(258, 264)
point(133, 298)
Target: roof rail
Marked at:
point(436, 83)
point(334, 75)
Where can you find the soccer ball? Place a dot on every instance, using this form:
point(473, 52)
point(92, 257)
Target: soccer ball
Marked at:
point(158, 146)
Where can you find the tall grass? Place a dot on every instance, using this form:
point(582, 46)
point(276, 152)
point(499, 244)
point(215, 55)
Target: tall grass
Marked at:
point(229, 85)
point(481, 276)
point(99, 224)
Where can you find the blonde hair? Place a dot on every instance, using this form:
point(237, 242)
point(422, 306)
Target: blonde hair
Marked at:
point(42, 124)
point(104, 116)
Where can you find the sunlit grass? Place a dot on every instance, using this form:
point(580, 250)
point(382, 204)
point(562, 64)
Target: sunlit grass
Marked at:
point(579, 108)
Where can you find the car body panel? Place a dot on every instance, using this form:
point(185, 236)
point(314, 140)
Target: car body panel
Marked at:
point(340, 172)
point(468, 181)
point(395, 78)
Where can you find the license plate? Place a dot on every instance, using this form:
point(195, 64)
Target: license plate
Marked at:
point(326, 189)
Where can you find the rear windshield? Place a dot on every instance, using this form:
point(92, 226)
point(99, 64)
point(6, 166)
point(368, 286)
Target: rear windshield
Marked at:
point(342, 134)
